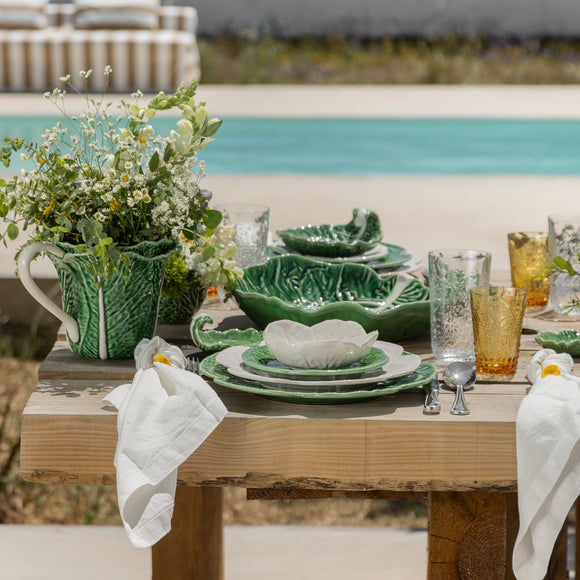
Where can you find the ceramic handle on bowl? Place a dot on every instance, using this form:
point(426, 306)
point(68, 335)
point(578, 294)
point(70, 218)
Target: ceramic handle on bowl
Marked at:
point(24, 259)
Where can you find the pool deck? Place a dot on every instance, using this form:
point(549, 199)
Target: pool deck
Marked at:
point(359, 101)
point(418, 212)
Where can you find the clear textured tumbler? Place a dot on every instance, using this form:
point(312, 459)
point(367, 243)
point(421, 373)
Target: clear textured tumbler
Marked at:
point(564, 241)
point(246, 225)
point(452, 275)
point(529, 262)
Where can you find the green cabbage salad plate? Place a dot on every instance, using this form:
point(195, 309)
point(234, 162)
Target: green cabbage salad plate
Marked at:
point(309, 291)
point(359, 235)
point(566, 340)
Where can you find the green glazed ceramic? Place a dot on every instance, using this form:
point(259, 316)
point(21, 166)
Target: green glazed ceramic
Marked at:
point(106, 321)
point(262, 360)
point(395, 256)
point(216, 340)
point(421, 376)
point(181, 310)
point(356, 237)
point(563, 341)
point(309, 291)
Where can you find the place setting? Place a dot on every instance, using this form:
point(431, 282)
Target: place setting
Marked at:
point(359, 241)
point(334, 361)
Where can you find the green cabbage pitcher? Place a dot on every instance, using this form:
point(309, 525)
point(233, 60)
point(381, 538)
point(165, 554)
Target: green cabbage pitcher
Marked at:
point(109, 319)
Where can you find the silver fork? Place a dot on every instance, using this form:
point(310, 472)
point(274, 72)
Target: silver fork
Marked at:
point(432, 405)
point(192, 364)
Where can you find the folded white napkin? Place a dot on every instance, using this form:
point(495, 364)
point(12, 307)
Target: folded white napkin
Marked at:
point(548, 456)
point(164, 416)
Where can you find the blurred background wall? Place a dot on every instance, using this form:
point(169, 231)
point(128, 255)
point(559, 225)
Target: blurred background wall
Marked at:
point(379, 18)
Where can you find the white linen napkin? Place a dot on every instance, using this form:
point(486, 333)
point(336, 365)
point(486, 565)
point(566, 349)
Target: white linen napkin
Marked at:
point(548, 456)
point(163, 417)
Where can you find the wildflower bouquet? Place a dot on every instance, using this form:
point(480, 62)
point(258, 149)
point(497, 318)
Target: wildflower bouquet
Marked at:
point(104, 179)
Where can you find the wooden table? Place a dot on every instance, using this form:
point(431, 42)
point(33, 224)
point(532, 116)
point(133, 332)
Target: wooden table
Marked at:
point(385, 447)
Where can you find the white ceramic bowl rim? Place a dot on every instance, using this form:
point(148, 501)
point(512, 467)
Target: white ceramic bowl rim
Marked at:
point(328, 344)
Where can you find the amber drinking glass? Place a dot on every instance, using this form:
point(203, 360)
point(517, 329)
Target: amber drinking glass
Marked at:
point(529, 261)
point(497, 313)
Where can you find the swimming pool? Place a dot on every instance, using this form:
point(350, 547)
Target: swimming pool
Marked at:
point(375, 146)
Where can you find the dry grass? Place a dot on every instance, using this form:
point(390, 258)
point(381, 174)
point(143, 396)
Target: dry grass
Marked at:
point(24, 502)
point(335, 60)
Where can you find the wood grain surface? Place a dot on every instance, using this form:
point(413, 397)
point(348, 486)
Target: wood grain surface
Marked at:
point(381, 447)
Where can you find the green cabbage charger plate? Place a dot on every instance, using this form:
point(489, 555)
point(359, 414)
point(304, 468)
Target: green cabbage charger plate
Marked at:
point(219, 374)
point(356, 237)
point(310, 291)
point(566, 340)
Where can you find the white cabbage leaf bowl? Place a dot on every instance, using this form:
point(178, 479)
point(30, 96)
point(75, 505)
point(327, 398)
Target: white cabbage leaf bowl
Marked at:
point(330, 344)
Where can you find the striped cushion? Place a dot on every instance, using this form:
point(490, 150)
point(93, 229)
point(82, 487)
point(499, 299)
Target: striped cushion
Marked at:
point(23, 14)
point(127, 14)
point(149, 60)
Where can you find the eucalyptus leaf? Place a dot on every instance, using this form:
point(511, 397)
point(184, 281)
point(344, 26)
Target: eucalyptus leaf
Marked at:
point(212, 127)
point(154, 162)
point(563, 264)
point(12, 231)
point(212, 218)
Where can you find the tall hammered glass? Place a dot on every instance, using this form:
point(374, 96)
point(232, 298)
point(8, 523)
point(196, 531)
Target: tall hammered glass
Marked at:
point(452, 275)
point(564, 241)
point(247, 226)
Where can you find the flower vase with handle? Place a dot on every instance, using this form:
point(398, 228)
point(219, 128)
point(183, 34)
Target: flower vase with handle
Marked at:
point(103, 318)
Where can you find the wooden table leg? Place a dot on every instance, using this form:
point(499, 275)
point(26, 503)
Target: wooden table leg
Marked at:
point(472, 534)
point(468, 535)
point(193, 549)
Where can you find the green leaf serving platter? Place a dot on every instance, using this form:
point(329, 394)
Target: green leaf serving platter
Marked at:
point(310, 291)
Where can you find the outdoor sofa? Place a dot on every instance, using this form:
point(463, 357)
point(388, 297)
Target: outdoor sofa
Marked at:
point(149, 46)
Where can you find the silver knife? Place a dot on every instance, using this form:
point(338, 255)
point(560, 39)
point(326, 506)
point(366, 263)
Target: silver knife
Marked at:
point(432, 405)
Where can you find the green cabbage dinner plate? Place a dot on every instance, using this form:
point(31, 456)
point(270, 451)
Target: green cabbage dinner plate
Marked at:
point(219, 374)
point(394, 257)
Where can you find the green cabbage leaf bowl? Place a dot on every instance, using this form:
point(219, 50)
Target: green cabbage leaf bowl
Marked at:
point(359, 235)
point(310, 291)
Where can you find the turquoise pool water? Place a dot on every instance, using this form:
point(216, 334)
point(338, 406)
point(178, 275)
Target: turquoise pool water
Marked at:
point(377, 146)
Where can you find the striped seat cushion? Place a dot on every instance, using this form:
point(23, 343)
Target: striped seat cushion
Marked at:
point(149, 60)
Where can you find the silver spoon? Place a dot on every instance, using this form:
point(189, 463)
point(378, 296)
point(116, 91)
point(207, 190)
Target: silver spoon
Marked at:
point(460, 375)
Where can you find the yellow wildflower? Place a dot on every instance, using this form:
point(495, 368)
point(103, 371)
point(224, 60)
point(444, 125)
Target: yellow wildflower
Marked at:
point(47, 211)
point(161, 358)
point(113, 205)
point(550, 370)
